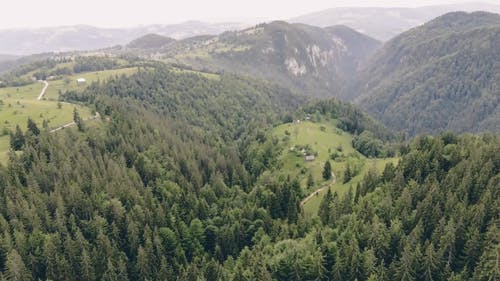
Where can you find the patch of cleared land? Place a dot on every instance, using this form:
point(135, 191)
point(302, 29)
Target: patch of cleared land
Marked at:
point(207, 75)
point(69, 82)
point(17, 104)
point(322, 140)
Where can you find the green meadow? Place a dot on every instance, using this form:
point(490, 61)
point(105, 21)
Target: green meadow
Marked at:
point(68, 83)
point(17, 104)
point(322, 140)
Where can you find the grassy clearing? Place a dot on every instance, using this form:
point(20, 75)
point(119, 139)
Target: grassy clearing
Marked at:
point(21, 103)
point(17, 104)
point(312, 206)
point(323, 139)
point(205, 52)
point(207, 75)
point(69, 82)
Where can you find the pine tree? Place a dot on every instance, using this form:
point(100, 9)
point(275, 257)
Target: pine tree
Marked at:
point(473, 249)
point(487, 268)
point(327, 170)
point(430, 264)
point(405, 269)
point(310, 181)
point(325, 207)
point(15, 269)
point(110, 274)
point(86, 268)
point(32, 127)
point(78, 120)
point(347, 173)
point(17, 139)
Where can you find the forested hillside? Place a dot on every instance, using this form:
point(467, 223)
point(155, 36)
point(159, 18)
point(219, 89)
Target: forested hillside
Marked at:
point(167, 188)
point(433, 217)
point(310, 60)
point(442, 75)
point(157, 192)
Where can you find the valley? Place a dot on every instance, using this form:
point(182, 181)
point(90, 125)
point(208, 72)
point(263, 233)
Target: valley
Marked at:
point(273, 152)
point(313, 61)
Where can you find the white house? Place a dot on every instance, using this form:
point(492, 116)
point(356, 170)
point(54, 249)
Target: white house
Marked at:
point(310, 158)
point(81, 81)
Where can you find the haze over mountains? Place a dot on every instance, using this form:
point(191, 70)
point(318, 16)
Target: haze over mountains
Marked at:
point(379, 23)
point(276, 152)
point(437, 76)
point(84, 37)
point(385, 23)
point(441, 75)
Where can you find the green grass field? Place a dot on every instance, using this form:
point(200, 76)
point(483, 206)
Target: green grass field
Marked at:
point(69, 83)
point(207, 75)
point(17, 104)
point(323, 139)
point(312, 206)
point(324, 142)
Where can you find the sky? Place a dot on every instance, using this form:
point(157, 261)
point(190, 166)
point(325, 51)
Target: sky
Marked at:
point(126, 13)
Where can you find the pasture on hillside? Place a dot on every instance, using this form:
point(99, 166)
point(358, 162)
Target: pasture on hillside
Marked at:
point(17, 104)
point(326, 142)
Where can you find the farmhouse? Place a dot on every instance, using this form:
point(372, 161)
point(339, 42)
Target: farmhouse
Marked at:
point(310, 158)
point(81, 81)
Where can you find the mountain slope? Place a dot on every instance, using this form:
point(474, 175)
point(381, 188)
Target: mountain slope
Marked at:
point(311, 60)
point(386, 23)
point(442, 75)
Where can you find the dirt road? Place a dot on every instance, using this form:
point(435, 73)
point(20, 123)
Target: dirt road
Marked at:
point(40, 96)
point(317, 191)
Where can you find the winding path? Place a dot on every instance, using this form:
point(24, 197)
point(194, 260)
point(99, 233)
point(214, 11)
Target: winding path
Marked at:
point(317, 191)
point(40, 96)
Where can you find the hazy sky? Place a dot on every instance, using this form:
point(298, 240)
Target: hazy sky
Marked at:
point(117, 13)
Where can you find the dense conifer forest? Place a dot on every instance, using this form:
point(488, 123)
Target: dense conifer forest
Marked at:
point(441, 75)
point(167, 187)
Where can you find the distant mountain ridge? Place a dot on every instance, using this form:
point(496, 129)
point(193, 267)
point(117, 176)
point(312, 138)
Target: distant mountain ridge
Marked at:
point(441, 75)
point(385, 23)
point(311, 60)
point(150, 41)
point(83, 37)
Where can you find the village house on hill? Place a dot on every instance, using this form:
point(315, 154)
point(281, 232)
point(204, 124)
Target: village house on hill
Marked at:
point(309, 158)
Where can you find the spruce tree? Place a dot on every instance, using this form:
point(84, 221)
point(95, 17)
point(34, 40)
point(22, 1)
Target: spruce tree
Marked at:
point(325, 207)
point(32, 127)
point(15, 269)
point(327, 171)
point(78, 120)
point(347, 173)
point(17, 139)
point(310, 181)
